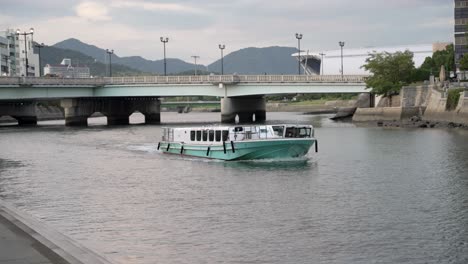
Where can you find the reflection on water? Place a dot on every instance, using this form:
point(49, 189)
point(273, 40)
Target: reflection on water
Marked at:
point(293, 164)
point(369, 195)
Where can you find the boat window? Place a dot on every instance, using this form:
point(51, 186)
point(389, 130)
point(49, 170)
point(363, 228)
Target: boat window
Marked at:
point(238, 129)
point(211, 133)
point(205, 135)
point(290, 132)
point(218, 135)
point(303, 132)
point(278, 130)
point(225, 135)
point(198, 135)
point(192, 135)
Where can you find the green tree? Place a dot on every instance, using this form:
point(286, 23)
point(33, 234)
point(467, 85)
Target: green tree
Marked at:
point(390, 71)
point(464, 63)
point(440, 58)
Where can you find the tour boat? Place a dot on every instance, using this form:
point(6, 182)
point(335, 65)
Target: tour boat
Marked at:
point(239, 142)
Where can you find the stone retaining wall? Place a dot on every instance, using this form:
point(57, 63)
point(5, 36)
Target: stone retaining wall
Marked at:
point(436, 109)
point(377, 114)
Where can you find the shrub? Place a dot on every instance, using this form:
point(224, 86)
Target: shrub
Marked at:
point(452, 98)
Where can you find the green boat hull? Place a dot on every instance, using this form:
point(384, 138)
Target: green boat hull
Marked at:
point(243, 150)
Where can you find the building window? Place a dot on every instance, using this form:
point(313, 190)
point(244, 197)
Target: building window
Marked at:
point(460, 41)
point(461, 4)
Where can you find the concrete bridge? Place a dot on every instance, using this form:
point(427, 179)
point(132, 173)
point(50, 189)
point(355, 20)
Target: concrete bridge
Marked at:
point(118, 97)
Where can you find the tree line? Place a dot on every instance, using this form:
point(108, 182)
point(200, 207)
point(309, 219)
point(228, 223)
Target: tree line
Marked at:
point(391, 71)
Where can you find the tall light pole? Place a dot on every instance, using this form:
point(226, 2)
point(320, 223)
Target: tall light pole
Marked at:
point(195, 57)
point(222, 47)
point(341, 45)
point(39, 47)
point(164, 41)
point(321, 61)
point(31, 32)
point(299, 37)
point(110, 52)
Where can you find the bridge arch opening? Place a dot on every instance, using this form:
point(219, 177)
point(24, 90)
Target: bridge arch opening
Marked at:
point(137, 117)
point(97, 118)
point(8, 120)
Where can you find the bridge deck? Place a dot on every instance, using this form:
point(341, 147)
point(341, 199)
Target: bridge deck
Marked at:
point(199, 79)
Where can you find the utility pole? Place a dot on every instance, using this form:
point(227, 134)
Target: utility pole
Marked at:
point(195, 57)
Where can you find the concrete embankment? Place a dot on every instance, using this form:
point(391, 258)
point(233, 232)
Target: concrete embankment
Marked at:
point(24, 239)
point(420, 106)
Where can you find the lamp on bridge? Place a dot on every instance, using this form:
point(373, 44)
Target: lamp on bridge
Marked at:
point(299, 37)
point(222, 47)
point(195, 57)
point(341, 45)
point(110, 52)
point(39, 47)
point(164, 41)
point(31, 32)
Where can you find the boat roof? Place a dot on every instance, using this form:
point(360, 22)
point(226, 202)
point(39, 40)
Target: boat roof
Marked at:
point(219, 127)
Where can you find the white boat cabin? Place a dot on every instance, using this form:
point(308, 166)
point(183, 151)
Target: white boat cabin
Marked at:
point(213, 135)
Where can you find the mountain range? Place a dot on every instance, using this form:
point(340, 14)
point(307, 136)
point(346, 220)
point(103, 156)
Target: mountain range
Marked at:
point(269, 60)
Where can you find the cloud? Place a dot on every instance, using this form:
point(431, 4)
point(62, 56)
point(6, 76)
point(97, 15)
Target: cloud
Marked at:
point(442, 22)
point(170, 7)
point(196, 27)
point(92, 11)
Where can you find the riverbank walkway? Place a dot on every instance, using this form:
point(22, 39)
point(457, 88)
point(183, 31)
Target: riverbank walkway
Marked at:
point(26, 240)
point(16, 246)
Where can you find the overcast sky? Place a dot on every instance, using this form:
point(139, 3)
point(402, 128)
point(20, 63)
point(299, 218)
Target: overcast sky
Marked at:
point(196, 27)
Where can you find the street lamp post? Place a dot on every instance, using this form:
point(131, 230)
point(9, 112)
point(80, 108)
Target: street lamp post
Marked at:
point(164, 41)
point(222, 47)
point(299, 37)
point(110, 52)
point(31, 32)
point(195, 57)
point(321, 61)
point(39, 47)
point(341, 45)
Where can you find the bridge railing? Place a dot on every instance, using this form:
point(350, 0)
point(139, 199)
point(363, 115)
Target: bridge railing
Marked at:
point(199, 79)
point(50, 81)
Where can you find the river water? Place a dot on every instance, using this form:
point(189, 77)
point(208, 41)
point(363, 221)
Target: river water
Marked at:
point(371, 195)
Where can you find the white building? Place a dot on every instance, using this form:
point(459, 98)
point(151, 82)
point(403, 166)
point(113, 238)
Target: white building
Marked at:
point(14, 50)
point(66, 70)
point(354, 58)
point(4, 57)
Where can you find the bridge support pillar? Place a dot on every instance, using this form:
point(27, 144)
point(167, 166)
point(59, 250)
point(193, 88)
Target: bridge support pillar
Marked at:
point(117, 110)
point(150, 108)
point(243, 107)
point(23, 112)
point(77, 111)
point(366, 100)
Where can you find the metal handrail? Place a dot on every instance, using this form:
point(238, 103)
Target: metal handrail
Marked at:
point(200, 79)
